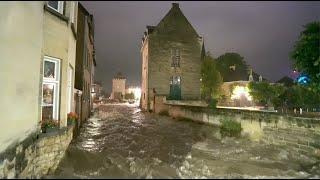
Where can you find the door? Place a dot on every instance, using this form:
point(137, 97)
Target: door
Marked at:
point(175, 88)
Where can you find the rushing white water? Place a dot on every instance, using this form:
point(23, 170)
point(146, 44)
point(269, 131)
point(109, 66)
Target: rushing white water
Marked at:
point(120, 141)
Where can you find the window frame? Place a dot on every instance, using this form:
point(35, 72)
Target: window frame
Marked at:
point(175, 57)
point(56, 84)
point(60, 7)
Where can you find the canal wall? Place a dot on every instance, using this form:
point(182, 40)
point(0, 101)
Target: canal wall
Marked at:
point(36, 156)
point(298, 133)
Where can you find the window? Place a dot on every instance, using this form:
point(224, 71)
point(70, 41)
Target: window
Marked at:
point(50, 88)
point(56, 5)
point(175, 56)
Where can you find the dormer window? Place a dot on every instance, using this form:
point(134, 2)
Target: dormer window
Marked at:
point(56, 5)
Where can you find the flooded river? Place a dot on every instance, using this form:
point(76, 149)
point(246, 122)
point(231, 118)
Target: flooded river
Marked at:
point(120, 141)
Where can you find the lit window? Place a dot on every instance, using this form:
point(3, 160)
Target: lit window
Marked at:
point(56, 5)
point(50, 88)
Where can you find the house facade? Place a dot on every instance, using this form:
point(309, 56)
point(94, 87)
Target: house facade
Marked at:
point(171, 54)
point(58, 63)
point(85, 59)
point(38, 62)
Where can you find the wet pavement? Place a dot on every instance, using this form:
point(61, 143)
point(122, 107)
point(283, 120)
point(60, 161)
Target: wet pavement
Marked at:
point(120, 141)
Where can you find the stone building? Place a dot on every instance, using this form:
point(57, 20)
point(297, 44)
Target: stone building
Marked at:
point(235, 91)
point(118, 86)
point(38, 45)
point(171, 59)
point(85, 60)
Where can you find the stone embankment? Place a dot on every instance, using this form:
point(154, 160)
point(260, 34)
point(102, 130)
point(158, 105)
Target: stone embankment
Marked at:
point(36, 156)
point(300, 133)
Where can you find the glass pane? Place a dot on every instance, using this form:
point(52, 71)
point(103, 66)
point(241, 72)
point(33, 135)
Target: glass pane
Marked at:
point(47, 112)
point(53, 4)
point(49, 69)
point(48, 94)
point(176, 80)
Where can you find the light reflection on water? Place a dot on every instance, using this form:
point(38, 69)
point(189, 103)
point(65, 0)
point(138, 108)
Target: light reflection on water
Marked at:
point(122, 142)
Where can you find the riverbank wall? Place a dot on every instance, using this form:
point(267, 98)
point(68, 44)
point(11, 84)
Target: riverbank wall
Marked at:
point(302, 134)
point(36, 156)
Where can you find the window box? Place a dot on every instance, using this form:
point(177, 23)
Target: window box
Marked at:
point(49, 126)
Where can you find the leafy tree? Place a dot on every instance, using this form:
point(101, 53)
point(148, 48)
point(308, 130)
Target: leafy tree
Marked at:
point(298, 96)
point(211, 79)
point(265, 93)
point(306, 53)
point(232, 67)
point(129, 96)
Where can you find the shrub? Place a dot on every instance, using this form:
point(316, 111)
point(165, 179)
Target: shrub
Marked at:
point(49, 124)
point(164, 113)
point(230, 128)
point(72, 117)
point(212, 103)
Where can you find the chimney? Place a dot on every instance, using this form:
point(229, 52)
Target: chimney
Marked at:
point(175, 5)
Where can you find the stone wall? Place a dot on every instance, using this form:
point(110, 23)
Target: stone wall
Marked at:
point(300, 134)
point(37, 156)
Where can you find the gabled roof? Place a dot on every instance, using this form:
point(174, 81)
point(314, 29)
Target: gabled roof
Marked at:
point(175, 18)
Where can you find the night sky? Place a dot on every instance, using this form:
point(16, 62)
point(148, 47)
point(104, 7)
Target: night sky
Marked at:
point(262, 32)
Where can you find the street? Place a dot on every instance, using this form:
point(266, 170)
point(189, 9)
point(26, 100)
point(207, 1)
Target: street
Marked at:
point(120, 141)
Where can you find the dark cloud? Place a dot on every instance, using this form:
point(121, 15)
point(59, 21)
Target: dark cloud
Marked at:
point(263, 32)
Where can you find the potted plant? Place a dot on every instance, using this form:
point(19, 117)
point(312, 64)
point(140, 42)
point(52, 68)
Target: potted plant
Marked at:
point(72, 118)
point(48, 125)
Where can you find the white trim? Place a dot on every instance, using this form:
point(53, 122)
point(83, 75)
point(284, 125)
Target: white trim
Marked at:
point(55, 82)
point(60, 7)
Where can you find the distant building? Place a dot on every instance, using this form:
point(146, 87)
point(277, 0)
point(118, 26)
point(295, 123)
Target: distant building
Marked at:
point(287, 81)
point(235, 92)
point(171, 59)
point(118, 87)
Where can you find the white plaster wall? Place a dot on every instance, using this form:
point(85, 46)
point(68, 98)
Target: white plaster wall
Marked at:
point(20, 56)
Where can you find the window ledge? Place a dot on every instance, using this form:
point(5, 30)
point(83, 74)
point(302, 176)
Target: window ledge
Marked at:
point(61, 16)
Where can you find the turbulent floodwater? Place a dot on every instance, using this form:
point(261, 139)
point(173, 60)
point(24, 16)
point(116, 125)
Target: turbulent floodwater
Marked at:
point(120, 141)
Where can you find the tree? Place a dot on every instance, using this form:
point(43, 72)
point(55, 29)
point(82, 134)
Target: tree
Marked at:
point(265, 93)
point(211, 79)
point(232, 67)
point(129, 95)
point(306, 53)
